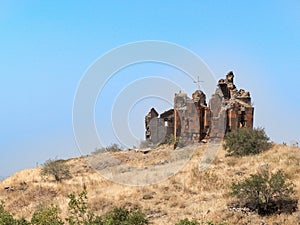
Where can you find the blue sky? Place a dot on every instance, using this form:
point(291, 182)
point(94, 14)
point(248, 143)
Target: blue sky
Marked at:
point(46, 47)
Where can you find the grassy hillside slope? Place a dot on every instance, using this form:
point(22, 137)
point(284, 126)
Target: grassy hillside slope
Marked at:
point(201, 195)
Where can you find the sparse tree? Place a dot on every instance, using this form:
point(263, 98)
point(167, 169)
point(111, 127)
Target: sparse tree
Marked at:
point(266, 193)
point(57, 168)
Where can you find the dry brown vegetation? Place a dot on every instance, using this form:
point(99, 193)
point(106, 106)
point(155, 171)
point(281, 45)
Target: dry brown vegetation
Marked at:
point(201, 195)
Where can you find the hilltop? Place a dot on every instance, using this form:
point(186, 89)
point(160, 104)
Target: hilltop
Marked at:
point(190, 193)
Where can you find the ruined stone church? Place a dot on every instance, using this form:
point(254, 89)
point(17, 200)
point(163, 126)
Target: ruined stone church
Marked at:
point(192, 120)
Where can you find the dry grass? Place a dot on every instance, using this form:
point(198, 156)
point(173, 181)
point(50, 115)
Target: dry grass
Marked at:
point(194, 194)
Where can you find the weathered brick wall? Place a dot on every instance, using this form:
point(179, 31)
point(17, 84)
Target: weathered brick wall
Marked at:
point(193, 121)
point(218, 117)
point(190, 117)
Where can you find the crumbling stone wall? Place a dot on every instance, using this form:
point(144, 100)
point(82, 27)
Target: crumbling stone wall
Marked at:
point(237, 104)
point(191, 125)
point(230, 108)
point(192, 120)
point(159, 127)
point(152, 114)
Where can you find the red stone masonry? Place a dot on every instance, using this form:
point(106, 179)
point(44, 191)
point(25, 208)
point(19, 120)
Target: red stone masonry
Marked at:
point(192, 120)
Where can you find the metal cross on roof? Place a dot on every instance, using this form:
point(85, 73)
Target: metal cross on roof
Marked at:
point(198, 81)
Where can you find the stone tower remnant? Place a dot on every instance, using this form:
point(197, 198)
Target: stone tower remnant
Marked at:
point(192, 120)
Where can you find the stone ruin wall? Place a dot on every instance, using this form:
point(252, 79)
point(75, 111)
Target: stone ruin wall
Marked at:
point(191, 116)
point(193, 121)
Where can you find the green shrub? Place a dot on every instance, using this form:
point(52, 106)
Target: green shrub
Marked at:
point(122, 216)
point(113, 148)
point(109, 148)
point(22, 221)
point(116, 217)
point(46, 215)
point(57, 168)
point(5, 217)
point(267, 193)
point(79, 212)
point(137, 218)
point(187, 222)
point(245, 141)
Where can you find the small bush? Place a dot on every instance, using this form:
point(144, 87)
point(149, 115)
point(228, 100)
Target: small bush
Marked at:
point(22, 221)
point(113, 148)
point(79, 212)
point(267, 193)
point(5, 217)
point(187, 222)
point(245, 141)
point(116, 217)
point(56, 168)
point(122, 216)
point(110, 148)
point(137, 218)
point(46, 215)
